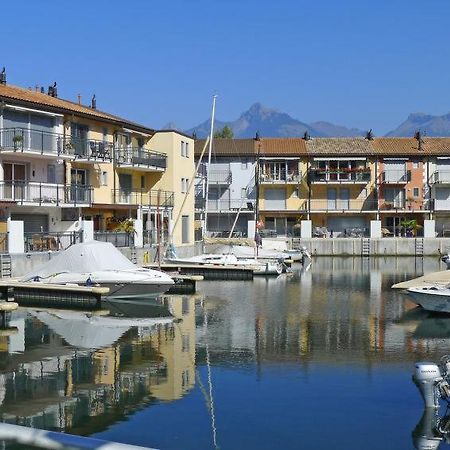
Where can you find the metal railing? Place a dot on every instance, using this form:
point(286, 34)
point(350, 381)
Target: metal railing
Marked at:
point(140, 157)
point(396, 176)
point(366, 205)
point(117, 238)
point(91, 149)
point(441, 176)
point(339, 176)
point(35, 141)
point(50, 241)
point(231, 205)
point(220, 177)
point(141, 197)
point(151, 237)
point(45, 193)
point(282, 177)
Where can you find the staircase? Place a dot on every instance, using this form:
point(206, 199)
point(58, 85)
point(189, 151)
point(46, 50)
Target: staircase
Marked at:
point(419, 247)
point(5, 265)
point(365, 247)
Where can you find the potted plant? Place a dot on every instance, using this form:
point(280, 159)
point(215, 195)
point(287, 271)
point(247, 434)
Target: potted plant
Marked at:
point(388, 205)
point(17, 140)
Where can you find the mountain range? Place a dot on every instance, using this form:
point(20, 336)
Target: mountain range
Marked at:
point(269, 122)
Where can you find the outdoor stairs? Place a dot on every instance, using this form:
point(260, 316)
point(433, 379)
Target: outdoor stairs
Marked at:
point(365, 247)
point(419, 247)
point(5, 265)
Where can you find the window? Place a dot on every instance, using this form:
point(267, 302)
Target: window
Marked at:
point(244, 165)
point(183, 149)
point(415, 164)
point(186, 153)
point(416, 192)
point(51, 173)
point(182, 186)
point(184, 229)
point(295, 192)
point(104, 178)
point(243, 192)
point(142, 182)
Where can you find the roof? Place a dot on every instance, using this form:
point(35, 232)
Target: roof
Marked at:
point(339, 146)
point(410, 146)
point(228, 147)
point(172, 130)
point(283, 146)
point(37, 100)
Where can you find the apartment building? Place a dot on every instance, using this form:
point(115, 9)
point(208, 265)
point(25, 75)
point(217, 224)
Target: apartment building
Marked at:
point(62, 162)
point(342, 184)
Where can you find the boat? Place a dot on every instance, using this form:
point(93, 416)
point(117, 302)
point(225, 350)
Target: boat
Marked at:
point(431, 298)
point(97, 263)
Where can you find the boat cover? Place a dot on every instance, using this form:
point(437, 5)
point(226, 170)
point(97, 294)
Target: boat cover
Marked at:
point(86, 257)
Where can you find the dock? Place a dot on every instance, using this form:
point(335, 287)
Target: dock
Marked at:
point(184, 284)
point(52, 295)
point(207, 271)
point(438, 278)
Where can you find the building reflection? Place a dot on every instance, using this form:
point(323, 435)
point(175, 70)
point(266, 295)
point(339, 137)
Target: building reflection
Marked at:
point(48, 382)
point(341, 310)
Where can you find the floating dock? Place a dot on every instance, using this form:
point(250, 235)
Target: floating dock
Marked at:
point(184, 284)
point(438, 278)
point(208, 271)
point(53, 295)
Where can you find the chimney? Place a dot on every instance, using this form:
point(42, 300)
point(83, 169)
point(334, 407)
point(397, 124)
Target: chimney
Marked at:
point(55, 90)
point(3, 76)
point(419, 139)
point(306, 136)
point(369, 135)
point(42, 90)
point(79, 99)
point(194, 135)
point(94, 102)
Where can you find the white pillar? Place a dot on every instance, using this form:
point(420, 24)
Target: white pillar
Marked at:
point(16, 242)
point(87, 228)
point(138, 233)
point(375, 228)
point(251, 226)
point(429, 228)
point(306, 228)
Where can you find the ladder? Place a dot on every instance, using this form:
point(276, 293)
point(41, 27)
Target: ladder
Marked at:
point(5, 265)
point(419, 247)
point(365, 247)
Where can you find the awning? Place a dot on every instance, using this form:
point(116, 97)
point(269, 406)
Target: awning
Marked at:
point(128, 130)
point(279, 158)
point(359, 158)
point(35, 111)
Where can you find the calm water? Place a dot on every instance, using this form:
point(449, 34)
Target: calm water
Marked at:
point(320, 359)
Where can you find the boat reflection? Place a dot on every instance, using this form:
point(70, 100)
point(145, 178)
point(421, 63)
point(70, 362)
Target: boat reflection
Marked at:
point(81, 372)
point(431, 430)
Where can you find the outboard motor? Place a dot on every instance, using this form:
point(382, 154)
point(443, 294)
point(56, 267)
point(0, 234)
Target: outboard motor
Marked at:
point(431, 382)
point(426, 435)
point(446, 260)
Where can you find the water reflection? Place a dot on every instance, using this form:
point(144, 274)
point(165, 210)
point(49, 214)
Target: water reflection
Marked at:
point(81, 372)
point(431, 430)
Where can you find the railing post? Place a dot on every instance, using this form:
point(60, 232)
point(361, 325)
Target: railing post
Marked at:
point(42, 142)
point(40, 193)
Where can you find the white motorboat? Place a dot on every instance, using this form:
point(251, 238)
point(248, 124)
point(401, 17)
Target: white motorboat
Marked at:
point(100, 263)
point(431, 298)
point(229, 260)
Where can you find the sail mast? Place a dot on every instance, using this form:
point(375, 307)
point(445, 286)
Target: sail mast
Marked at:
point(211, 136)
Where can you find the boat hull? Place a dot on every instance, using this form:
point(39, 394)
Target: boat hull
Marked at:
point(436, 300)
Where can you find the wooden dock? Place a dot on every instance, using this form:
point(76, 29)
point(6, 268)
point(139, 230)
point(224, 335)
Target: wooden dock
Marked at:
point(52, 295)
point(207, 271)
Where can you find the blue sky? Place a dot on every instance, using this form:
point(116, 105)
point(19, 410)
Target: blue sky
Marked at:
point(358, 63)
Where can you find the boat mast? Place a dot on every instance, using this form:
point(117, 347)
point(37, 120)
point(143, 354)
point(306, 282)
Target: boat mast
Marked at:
point(257, 238)
point(211, 136)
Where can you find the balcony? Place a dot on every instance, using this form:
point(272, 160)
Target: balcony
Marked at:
point(45, 194)
point(219, 177)
point(245, 205)
point(366, 205)
point(279, 178)
point(441, 177)
point(35, 142)
point(396, 176)
point(140, 197)
point(341, 176)
point(141, 159)
point(90, 150)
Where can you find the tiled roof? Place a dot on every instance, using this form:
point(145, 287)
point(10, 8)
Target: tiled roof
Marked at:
point(228, 147)
point(339, 146)
point(282, 146)
point(410, 146)
point(38, 100)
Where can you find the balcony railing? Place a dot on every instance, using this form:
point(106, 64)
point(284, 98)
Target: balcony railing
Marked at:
point(441, 176)
point(35, 141)
point(340, 205)
point(281, 177)
point(231, 205)
point(45, 193)
point(51, 241)
point(219, 177)
point(140, 158)
point(396, 176)
point(117, 238)
point(140, 197)
point(339, 176)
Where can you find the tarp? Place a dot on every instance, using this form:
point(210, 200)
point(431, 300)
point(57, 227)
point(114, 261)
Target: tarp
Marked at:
point(84, 258)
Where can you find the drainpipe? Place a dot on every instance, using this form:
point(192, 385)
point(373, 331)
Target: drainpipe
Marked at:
point(308, 209)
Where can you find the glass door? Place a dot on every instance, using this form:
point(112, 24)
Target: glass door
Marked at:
point(331, 198)
point(79, 134)
point(78, 188)
point(15, 181)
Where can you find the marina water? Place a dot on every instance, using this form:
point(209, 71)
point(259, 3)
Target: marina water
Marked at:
point(319, 359)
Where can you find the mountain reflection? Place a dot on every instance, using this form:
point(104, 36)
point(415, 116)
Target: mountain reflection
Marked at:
point(80, 372)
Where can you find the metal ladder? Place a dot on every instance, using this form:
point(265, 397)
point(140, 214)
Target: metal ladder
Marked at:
point(365, 247)
point(5, 265)
point(419, 247)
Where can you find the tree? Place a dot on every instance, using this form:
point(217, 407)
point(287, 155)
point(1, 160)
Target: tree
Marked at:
point(225, 133)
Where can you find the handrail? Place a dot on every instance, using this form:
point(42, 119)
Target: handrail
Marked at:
point(143, 197)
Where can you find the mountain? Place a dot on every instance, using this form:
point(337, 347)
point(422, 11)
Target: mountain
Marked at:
point(429, 125)
point(270, 122)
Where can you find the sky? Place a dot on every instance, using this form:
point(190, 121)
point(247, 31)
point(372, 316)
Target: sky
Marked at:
point(358, 63)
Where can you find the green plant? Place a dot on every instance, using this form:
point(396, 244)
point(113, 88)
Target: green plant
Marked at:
point(17, 138)
point(410, 226)
point(126, 225)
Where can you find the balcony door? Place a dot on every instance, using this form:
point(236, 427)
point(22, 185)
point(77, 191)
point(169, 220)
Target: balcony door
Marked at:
point(79, 181)
point(344, 199)
point(394, 196)
point(79, 135)
point(331, 198)
point(15, 177)
point(394, 171)
point(126, 187)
